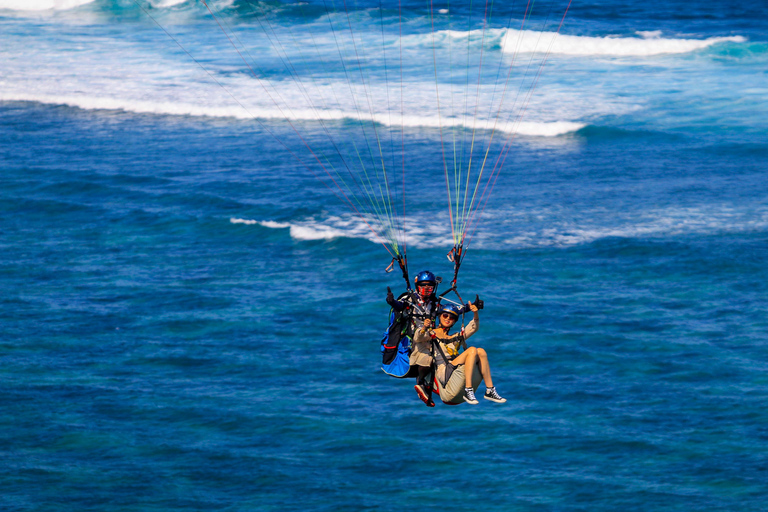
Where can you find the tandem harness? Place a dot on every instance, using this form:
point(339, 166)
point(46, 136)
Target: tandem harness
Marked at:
point(444, 359)
point(397, 339)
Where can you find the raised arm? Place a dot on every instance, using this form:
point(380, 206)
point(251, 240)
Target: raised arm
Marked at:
point(468, 306)
point(474, 325)
point(396, 304)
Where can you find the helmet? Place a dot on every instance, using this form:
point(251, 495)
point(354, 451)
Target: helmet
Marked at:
point(426, 277)
point(450, 309)
point(426, 282)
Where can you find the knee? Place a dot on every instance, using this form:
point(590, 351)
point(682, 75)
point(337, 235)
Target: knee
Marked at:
point(471, 351)
point(481, 352)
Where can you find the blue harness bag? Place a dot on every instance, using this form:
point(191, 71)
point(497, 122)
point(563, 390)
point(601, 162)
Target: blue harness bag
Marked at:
point(396, 345)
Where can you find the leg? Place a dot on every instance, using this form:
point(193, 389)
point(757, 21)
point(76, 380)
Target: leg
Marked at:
point(424, 372)
point(485, 367)
point(468, 358)
point(424, 386)
point(430, 381)
point(469, 362)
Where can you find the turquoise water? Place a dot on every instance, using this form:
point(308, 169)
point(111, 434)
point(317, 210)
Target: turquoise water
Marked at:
point(190, 319)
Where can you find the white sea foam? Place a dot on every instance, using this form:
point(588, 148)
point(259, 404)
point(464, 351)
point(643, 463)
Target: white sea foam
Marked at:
point(649, 34)
point(243, 221)
point(305, 231)
point(42, 5)
point(318, 233)
point(506, 229)
point(537, 129)
point(63, 5)
point(84, 73)
point(275, 225)
point(424, 234)
point(89, 102)
point(506, 124)
point(651, 43)
point(532, 41)
point(457, 39)
point(166, 3)
point(678, 221)
point(266, 223)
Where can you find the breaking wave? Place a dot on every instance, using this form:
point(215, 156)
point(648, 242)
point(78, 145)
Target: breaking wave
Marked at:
point(513, 229)
point(90, 102)
point(42, 5)
point(648, 43)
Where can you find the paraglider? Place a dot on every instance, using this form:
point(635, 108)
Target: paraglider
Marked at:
point(324, 75)
point(410, 312)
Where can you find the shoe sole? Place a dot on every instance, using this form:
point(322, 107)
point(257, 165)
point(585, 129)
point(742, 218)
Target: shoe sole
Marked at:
point(423, 396)
point(503, 400)
point(473, 402)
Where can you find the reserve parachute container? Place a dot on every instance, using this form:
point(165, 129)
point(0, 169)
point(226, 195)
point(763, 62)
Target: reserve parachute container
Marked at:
point(396, 344)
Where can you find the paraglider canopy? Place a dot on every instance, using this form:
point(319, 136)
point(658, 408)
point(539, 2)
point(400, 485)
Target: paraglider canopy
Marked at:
point(353, 82)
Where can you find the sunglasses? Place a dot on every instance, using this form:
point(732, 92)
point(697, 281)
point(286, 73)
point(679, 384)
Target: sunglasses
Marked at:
point(449, 315)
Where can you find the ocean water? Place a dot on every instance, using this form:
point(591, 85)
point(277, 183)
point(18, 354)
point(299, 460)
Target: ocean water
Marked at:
point(191, 310)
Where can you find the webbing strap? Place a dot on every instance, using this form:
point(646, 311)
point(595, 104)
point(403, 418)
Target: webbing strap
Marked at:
point(449, 366)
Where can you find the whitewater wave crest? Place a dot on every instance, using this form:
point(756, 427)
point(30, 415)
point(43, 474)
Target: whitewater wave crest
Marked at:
point(42, 5)
point(648, 43)
point(65, 5)
point(426, 234)
point(306, 231)
point(89, 102)
point(666, 222)
point(513, 229)
point(532, 41)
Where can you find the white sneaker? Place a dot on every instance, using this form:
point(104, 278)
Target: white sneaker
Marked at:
point(469, 396)
point(493, 396)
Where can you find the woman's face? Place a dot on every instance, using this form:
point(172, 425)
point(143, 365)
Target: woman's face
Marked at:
point(447, 320)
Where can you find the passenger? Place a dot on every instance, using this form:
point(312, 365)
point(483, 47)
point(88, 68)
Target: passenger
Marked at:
point(422, 306)
point(455, 380)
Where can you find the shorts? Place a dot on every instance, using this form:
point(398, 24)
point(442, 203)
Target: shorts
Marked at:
point(453, 391)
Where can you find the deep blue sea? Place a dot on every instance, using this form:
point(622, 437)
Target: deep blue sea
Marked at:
point(191, 309)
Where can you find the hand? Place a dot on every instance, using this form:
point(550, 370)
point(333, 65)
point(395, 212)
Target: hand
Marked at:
point(473, 308)
point(390, 295)
point(427, 324)
point(478, 302)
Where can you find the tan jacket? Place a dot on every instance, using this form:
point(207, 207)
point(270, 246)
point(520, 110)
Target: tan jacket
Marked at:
point(422, 340)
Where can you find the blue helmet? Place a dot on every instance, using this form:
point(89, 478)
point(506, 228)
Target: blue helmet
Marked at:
point(450, 309)
point(426, 277)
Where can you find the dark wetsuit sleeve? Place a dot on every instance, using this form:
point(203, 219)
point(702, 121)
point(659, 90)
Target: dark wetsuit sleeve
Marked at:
point(396, 304)
point(464, 309)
